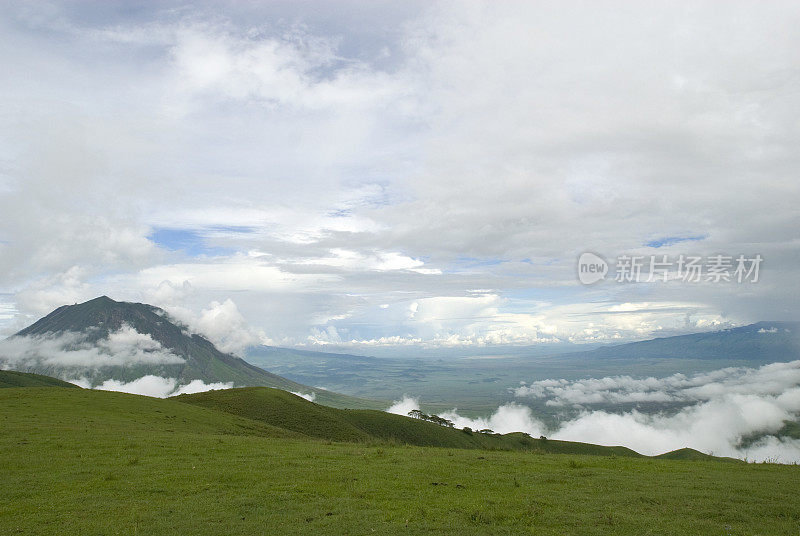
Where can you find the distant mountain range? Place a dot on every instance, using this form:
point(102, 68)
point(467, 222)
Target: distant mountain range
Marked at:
point(763, 342)
point(103, 339)
point(479, 384)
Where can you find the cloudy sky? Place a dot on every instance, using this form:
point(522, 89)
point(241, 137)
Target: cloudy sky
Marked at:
point(375, 174)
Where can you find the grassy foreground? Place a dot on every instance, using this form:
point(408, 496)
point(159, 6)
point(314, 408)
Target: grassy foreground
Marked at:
point(91, 462)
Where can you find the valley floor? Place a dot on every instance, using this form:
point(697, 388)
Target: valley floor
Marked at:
point(150, 467)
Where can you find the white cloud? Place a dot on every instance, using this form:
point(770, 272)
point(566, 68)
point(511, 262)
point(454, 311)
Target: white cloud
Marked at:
point(226, 327)
point(237, 274)
point(308, 396)
point(403, 406)
point(506, 419)
point(772, 380)
point(159, 387)
point(366, 175)
point(715, 427)
point(122, 348)
point(199, 386)
point(381, 261)
point(717, 410)
point(222, 324)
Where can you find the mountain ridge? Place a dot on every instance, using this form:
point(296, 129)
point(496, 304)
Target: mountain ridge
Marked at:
point(761, 341)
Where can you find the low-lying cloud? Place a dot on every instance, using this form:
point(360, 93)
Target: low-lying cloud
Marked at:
point(508, 418)
point(735, 412)
point(155, 386)
point(309, 396)
point(403, 406)
point(773, 379)
point(124, 347)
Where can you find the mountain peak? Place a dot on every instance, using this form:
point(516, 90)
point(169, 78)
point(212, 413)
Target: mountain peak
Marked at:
point(101, 314)
point(133, 340)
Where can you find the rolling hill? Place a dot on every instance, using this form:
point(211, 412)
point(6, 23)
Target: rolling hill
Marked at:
point(103, 339)
point(290, 412)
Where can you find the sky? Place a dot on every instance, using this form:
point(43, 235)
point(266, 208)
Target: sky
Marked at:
point(399, 175)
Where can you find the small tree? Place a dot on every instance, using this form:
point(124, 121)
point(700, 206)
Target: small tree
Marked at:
point(416, 414)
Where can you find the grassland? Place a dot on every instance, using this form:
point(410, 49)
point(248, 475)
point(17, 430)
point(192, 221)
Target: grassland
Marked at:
point(91, 462)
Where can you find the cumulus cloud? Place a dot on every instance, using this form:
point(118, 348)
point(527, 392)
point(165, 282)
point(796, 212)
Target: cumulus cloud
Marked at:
point(122, 348)
point(223, 325)
point(156, 386)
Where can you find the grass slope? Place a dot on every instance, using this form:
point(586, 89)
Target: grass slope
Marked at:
point(285, 410)
point(12, 378)
point(90, 462)
point(688, 454)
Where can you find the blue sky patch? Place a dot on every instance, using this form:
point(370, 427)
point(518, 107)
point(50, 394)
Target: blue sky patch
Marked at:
point(672, 240)
point(192, 242)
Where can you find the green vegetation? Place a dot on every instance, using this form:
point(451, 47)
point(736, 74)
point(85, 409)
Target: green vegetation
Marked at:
point(12, 378)
point(690, 454)
point(789, 430)
point(78, 461)
point(287, 411)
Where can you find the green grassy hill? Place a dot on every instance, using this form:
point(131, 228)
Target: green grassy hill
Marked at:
point(285, 410)
point(12, 378)
point(78, 461)
point(688, 454)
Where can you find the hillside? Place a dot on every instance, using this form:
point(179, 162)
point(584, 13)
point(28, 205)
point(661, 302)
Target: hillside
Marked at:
point(287, 411)
point(12, 378)
point(687, 455)
point(79, 461)
point(103, 339)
